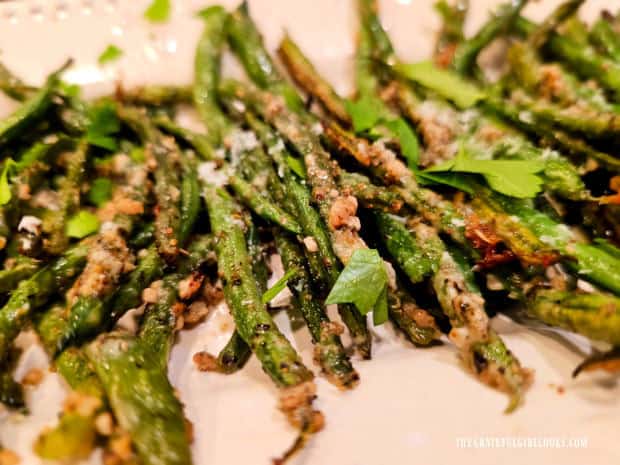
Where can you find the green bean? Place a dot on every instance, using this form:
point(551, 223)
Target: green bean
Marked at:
point(75, 435)
point(253, 322)
point(418, 324)
point(451, 33)
point(594, 315)
point(417, 259)
point(541, 34)
point(467, 52)
point(32, 110)
point(142, 398)
point(207, 68)
point(36, 291)
point(321, 172)
point(55, 221)
point(233, 355)
point(199, 142)
point(167, 157)
point(329, 352)
point(191, 203)
point(247, 43)
point(261, 205)
point(13, 86)
point(155, 95)
point(22, 269)
point(307, 77)
point(371, 195)
point(583, 59)
point(323, 263)
point(603, 35)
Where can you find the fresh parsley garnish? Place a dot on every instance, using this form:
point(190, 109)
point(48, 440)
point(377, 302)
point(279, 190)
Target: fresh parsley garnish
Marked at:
point(368, 112)
point(100, 191)
point(363, 282)
point(407, 139)
point(365, 112)
point(111, 53)
point(5, 185)
point(449, 178)
point(82, 224)
point(158, 11)
point(514, 178)
point(446, 83)
point(70, 90)
point(103, 124)
point(278, 286)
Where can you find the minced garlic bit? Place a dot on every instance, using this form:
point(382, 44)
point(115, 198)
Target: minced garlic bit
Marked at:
point(190, 285)
point(104, 424)
point(196, 312)
point(311, 245)
point(342, 212)
point(150, 295)
point(33, 377)
point(121, 446)
point(82, 404)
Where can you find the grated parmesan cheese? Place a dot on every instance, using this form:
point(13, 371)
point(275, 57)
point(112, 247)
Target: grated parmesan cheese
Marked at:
point(30, 224)
point(210, 173)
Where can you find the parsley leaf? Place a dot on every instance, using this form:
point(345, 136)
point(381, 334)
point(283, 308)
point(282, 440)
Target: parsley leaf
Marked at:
point(5, 187)
point(368, 111)
point(158, 11)
point(296, 165)
point(363, 283)
point(446, 83)
point(407, 139)
point(82, 224)
point(278, 286)
point(380, 313)
point(103, 124)
point(457, 180)
point(515, 184)
point(207, 12)
point(515, 178)
point(70, 90)
point(100, 191)
point(111, 53)
point(365, 112)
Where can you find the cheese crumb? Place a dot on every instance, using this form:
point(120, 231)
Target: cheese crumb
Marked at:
point(30, 224)
point(210, 173)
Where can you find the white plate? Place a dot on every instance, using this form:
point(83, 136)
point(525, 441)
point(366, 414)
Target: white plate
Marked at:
point(412, 405)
